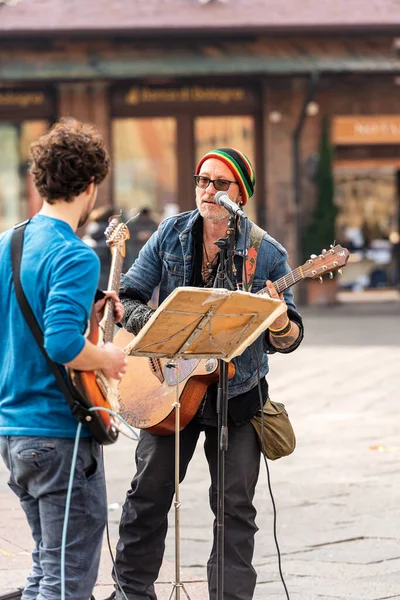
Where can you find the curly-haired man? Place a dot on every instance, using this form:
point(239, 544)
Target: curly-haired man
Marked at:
point(59, 275)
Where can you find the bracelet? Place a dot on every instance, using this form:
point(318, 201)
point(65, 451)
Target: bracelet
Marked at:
point(285, 332)
point(281, 328)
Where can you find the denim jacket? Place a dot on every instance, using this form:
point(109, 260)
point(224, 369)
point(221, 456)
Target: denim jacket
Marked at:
point(166, 260)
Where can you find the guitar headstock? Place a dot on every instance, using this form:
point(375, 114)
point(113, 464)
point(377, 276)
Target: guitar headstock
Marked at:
point(327, 262)
point(116, 234)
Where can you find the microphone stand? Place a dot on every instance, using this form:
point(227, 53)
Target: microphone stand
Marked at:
point(223, 279)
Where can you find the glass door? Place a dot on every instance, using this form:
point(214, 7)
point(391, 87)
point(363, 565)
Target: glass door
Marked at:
point(145, 166)
point(18, 196)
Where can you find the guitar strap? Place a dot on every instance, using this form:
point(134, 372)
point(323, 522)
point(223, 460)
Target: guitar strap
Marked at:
point(250, 262)
point(17, 242)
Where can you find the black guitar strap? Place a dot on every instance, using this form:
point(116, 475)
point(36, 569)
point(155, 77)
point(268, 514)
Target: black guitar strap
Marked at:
point(17, 242)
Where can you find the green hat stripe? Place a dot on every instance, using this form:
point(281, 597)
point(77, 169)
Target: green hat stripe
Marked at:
point(241, 173)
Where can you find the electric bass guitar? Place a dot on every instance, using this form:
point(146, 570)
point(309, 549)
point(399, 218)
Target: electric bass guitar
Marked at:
point(148, 389)
point(93, 388)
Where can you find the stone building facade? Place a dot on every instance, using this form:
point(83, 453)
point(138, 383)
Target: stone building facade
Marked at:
point(167, 81)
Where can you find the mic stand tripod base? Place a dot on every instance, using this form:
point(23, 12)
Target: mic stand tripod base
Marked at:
point(177, 585)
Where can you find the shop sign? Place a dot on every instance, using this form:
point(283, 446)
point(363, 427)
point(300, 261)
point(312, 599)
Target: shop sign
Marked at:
point(26, 103)
point(147, 97)
point(380, 129)
point(140, 95)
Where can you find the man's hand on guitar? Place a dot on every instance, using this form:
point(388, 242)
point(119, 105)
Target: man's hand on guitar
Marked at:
point(282, 319)
point(118, 307)
point(116, 361)
point(283, 333)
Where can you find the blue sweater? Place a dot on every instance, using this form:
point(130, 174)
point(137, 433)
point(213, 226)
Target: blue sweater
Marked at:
point(59, 275)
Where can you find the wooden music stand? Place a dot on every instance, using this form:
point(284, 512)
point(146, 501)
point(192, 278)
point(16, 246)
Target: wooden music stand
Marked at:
point(201, 323)
point(205, 323)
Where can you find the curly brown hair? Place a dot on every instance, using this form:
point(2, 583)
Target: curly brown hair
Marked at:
point(67, 159)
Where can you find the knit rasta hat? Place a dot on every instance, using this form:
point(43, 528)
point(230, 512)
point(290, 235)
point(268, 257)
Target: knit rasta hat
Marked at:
point(240, 166)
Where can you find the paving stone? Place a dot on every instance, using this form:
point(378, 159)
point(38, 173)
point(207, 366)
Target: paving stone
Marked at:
point(336, 495)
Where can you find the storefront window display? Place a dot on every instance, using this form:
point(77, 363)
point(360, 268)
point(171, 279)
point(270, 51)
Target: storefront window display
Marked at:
point(368, 224)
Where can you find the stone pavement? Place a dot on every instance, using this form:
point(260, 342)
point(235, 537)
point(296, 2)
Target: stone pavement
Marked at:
point(337, 496)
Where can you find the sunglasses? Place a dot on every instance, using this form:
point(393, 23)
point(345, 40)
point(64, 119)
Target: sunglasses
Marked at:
point(221, 185)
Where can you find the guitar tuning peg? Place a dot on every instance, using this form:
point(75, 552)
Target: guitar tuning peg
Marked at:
point(313, 256)
point(340, 271)
point(321, 280)
point(331, 275)
point(324, 251)
point(331, 246)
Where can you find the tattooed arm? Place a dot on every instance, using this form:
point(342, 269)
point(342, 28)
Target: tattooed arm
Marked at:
point(290, 329)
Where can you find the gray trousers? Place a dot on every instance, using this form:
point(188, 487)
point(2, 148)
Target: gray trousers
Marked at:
point(39, 475)
point(143, 526)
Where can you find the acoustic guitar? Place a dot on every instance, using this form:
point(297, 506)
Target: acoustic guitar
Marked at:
point(148, 390)
point(93, 388)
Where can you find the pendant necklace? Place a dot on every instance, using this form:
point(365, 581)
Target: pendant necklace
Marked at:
point(209, 263)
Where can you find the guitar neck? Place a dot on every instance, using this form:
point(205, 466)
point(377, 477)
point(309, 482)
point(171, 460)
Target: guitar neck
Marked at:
point(286, 281)
point(113, 285)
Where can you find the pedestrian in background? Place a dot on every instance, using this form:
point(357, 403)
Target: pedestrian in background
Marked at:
point(140, 230)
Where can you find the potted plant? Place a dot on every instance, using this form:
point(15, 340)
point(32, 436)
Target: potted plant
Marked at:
point(320, 230)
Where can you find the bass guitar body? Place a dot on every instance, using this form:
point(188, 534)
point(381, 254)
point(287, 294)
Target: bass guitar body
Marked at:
point(149, 390)
point(92, 389)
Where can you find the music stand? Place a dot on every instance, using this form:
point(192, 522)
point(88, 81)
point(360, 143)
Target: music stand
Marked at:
point(201, 323)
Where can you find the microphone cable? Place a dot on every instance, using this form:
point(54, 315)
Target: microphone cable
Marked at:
point(275, 517)
point(69, 494)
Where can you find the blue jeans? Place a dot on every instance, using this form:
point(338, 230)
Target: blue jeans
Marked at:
point(39, 472)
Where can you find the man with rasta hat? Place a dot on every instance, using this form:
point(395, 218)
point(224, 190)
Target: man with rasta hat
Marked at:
point(182, 252)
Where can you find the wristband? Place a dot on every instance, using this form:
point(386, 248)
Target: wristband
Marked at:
point(281, 328)
point(282, 332)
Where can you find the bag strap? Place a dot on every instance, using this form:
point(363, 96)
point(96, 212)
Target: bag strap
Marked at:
point(256, 236)
point(17, 242)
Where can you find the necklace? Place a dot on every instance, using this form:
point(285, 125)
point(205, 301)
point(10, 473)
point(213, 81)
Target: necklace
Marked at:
point(209, 264)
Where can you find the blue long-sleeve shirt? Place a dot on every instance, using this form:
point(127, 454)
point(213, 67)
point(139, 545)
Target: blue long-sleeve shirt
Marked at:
point(59, 275)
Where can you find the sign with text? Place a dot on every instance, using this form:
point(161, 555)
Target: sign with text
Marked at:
point(26, 103)
point(369, 129)
point(155, 97)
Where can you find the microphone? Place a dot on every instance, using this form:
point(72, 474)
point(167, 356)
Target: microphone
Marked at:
point(223, 199)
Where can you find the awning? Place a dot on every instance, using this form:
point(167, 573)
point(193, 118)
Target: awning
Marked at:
point(277, 57)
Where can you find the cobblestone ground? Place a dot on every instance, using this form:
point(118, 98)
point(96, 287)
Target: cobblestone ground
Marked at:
point(337, 496)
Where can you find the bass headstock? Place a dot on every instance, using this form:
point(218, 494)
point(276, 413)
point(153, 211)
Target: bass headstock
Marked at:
point(328, 261)
point(116, 234)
